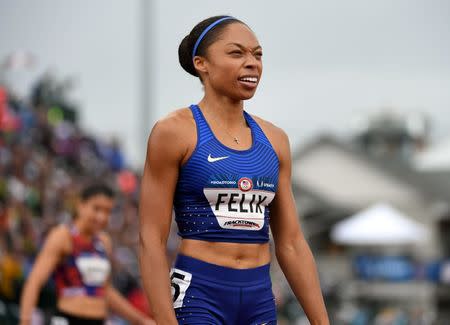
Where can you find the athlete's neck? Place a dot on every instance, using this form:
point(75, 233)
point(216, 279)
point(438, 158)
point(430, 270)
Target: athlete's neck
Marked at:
point(224, 110)
point(82, 229)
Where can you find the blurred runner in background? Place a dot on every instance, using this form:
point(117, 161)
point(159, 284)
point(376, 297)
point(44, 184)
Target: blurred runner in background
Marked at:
point(79, 255)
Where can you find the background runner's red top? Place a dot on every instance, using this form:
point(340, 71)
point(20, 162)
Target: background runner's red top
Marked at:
point(85, 271)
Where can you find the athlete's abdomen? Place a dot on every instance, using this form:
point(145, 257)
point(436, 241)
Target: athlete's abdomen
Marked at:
point(84, 306)
point(229, 254)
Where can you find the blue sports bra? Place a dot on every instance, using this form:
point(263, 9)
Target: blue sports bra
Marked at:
point(224, 194)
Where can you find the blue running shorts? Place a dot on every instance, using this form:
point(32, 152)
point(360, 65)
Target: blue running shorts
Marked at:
point(205, 293)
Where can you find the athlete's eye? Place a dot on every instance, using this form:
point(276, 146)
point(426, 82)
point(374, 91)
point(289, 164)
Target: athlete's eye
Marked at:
point(236, 53)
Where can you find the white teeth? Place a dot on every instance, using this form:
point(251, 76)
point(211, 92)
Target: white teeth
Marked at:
point(249, 79)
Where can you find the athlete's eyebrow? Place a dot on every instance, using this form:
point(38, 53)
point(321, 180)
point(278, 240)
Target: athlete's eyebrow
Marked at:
point(243, 47)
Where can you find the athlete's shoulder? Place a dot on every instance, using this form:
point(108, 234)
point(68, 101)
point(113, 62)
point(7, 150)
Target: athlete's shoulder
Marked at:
point(174, 124)
point(178, 115)
point(172, 136)
point(59, 238)
point(276, 135)
point(60, 231)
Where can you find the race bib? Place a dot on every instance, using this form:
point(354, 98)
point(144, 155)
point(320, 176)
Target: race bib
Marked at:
point(238, 208)
point(180, 282)
point(94, 269)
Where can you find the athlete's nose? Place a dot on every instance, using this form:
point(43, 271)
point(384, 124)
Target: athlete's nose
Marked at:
point(102, 219)
point(250, 61)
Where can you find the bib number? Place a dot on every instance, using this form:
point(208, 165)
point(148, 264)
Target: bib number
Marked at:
point(179, 281)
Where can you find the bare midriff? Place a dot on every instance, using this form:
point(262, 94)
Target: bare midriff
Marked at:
point(233, 255)
point(83, 306)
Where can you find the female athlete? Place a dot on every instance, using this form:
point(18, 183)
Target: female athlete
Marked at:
point(80, 257)
point(222, 170)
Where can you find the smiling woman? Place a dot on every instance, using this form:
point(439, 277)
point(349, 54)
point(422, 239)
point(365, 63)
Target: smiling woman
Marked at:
point(206, 41)
point(79, 256)
point(222, 170)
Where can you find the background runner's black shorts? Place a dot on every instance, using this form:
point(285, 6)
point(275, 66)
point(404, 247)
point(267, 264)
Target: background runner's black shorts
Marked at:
point(62, 318)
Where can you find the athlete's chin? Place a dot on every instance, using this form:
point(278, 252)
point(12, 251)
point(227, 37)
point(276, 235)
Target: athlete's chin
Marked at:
point(98, 227)
point(244, 95)
point(248, 97)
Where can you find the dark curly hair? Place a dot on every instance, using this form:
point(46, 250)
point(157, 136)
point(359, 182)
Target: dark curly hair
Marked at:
point(188, 42)
point(96, 189)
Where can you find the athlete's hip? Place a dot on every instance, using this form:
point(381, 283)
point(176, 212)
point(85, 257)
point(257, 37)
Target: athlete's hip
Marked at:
point(205, 293)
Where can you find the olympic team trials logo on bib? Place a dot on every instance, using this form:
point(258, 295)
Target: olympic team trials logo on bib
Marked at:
point(237, 204)
point(245, 184)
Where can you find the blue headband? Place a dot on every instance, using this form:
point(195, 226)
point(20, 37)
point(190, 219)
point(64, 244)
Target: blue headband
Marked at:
point(207, 29)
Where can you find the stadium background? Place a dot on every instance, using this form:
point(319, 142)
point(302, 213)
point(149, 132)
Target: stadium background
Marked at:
point(83, 82)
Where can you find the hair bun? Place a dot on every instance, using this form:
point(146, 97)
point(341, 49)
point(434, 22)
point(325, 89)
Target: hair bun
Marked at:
point(185, 56)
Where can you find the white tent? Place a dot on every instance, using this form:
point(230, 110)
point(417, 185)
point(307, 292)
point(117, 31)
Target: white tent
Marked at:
point(379, 225)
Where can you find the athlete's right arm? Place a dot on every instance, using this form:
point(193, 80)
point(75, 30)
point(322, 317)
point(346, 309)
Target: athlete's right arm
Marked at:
point(165, 150)
point(49, 256)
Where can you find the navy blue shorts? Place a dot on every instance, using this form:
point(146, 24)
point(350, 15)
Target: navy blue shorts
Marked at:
point(205, 293)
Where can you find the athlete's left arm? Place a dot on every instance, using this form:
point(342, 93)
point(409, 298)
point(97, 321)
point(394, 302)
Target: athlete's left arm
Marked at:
point(118, 303)
point(292, 250)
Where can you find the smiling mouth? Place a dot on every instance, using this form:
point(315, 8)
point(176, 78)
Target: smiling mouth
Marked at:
point(249, 79)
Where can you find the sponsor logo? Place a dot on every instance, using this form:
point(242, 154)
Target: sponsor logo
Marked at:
point(223, 182)
point(264, 184)
point(214, 159)
point(241, 223)
point(245, 184)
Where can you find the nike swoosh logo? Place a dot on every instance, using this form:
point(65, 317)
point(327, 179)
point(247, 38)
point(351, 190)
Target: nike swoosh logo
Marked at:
point(211, 159)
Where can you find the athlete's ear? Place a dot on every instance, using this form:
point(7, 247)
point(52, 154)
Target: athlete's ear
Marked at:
point(200, 64)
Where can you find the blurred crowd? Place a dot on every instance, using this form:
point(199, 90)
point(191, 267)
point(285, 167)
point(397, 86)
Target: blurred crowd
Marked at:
point(45, 159)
